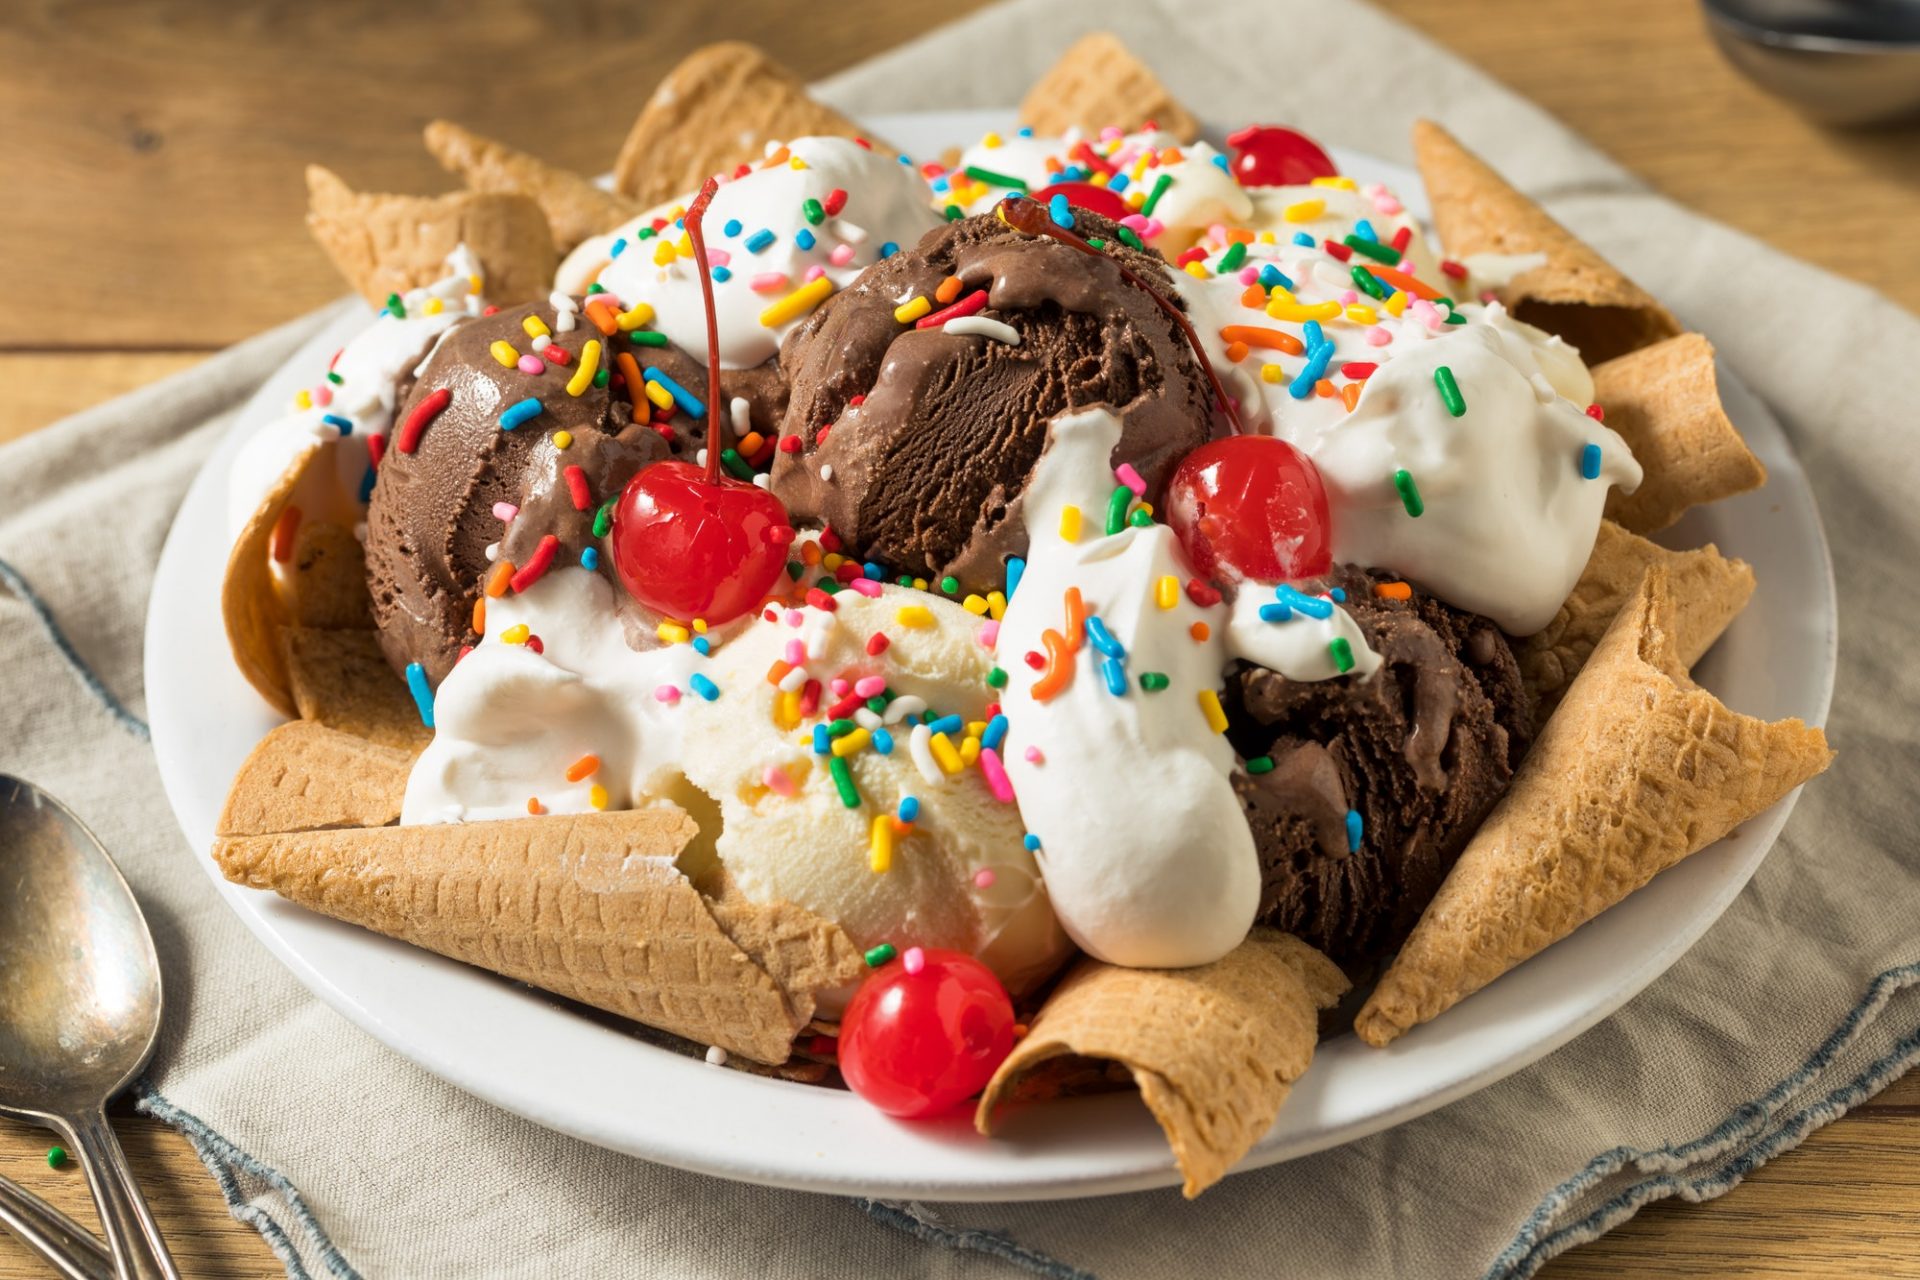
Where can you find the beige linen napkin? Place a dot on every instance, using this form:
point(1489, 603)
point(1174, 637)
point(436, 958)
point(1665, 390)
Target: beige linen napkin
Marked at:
point(1799, 1003)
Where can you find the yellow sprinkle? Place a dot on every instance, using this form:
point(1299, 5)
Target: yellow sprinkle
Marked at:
point(503, 352)
point(561, 439)
point(1070, 524)
point(1198, 272)
point(908, 312)
point(996, 605)
point(1304, 210)
point(919, 584)
point(664, 254)
point(1166, 591)
point(969, 750)
point(913, 615)
point(597, 796)
point(945, 754)
point(536, 327)
point(1397, 303)
point(1143, 506)
point(589, 365)
point(975, 605)
point(659, 394)
point(832, 560)
point(1361, 313)
point(684, 245)
point(797, 163)
point(1282, 309)
point(1098, 179)
point(880, 844)
point(516, 634)
point(638, 315)
point(672, 633)
point(848, 743)
point(1337, 183)
point(699, 626)
point(1265, 237)
point(304, 400)
point(976, 727)
point(786, 710)
point(1272, 373)
point(1210, 708)
point(990, 141)
point(473, 283)
point(434, 306)
point(798, 303)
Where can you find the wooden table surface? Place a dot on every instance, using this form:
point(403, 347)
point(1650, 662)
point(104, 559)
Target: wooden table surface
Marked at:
point(153, 161)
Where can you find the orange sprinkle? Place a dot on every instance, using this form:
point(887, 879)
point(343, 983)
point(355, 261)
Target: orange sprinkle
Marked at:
point(1324, 388)
point(1077, 612)
point(1351, 395)
point(1254, 296)
point(777, 159)
point(283, 531)
point(1059, 665)
point(809, 553)
point(949, 289)
point(1200, 631)
point(750, 443)
point(497, 580)
point(1266, 339)
point(630, 370)
point(1393, 590)
point(480, 615)
point(534, 806)
point(603, 317)
point(1236, 351)
point(1239, 235)
point(1170, 156)
point(1401, 280)
point(585, 767)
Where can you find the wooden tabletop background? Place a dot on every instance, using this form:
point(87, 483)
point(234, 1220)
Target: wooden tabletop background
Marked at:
point(152, 157)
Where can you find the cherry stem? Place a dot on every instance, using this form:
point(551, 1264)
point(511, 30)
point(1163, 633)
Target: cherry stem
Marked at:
point(1025, 214)
point(695, 212)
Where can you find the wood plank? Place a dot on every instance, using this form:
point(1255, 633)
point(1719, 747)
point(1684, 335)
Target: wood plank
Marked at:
point(42, 386)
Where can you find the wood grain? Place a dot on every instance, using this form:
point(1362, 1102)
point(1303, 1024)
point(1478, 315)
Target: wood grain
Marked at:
point(164, 142)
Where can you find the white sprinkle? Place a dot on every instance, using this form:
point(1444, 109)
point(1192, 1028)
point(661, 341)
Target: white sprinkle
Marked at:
point(741, 422)
point(826, 471)
point(716, 1056)
point(493, 551)
point(986, 328)
point(700, 458)
point(763, 479)
point(920, 747)
point(867, 718)
point(794, 680)
point(541, 343)
point(903, 706)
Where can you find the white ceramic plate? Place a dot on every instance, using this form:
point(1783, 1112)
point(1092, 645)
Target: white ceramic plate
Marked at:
point(532, 1056)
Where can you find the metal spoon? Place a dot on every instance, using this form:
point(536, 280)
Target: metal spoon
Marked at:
point(79, 1004)
point(50, 1233)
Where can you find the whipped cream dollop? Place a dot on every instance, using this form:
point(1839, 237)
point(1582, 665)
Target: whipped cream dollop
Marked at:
point(1304, 639)
point(780, 238)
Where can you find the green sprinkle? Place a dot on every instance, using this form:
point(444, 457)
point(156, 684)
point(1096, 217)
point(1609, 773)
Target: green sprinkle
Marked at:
point(994, 179)
point(1364, 281)
point(1454, 317)
point(644, 233)
point(843, 781)
point(1154, 681)
point(950, 584)
point(810, 210)
point(1129, 239)
point(878, 702)
point(1409, 492)
point(841, 728)
point(1235, 255)
point(1096, 242)
point(1259, 765)
point(647, 338)
point(602, 376)
point(1140, 519)
point(732, 461)
point(828, 583)
point(794, 570)
point(603, 519)
point(1384, 253)
point(997, 678)
point(1117, 503)
point(904, 580)
point(1160, 185)
point(954, 213)
point(880, 955)
point(1449, 391)
point(56, 1156)
point(396, 306)
point(1342, 654)
point(334, 378)
point(597, 287)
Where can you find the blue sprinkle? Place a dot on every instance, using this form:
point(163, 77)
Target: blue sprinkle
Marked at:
point(1060, 212)
point(822, 744)
point(1026, 131)
point(703, 686)
point(1312, 606)
point(1271, 275)
point(1365, 231)
point(1354, 830)
point(721, 275)
point(888, 249)
point(1115, 676)
point(1015, 567)
point(804, 238)
point(902, 158)
point(1303, 239)
point(1221, 161)
point(874, 570)
point(343, 425)
point(733, 227)
point(909, 808)
point(996, 733)
point(1032, 842)
point(1590, 462)
point(883, 742)
point(619, 247)
point(1103, 639)
point(680, 224)
point(1339, 595)
point(1056, 176)
point(941, 186)
point(759, 240)
point(1312, 334)
point(366, 487)
point(1275, 613)
point(702, 646)
point(590, 558)
point(422, 695)
point(681, 396)
point(1312, 371)
point(947, 724)
point(524, 411)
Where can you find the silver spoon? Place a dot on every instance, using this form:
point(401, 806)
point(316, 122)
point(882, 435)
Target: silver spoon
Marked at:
point(50, 1233)
point(79, 1004)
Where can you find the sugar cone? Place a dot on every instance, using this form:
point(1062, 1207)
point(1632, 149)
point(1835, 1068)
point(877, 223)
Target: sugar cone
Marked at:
point(326, 582)
point(575, 207)
point(250, 605)
point(1664, 400)
point(1214, 1049)
point(386, 244)
point(1576, 293)
point(1708, 592)
point(1636, 770)
point(1098, 82)
point(340, 678)
point(589, 907)
point(306, 777)
point(719, 108)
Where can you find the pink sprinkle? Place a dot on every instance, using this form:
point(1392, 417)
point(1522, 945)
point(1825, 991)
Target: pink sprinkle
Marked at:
point(842, 254)
point(989, 633)
point(777, 780)
point(768, 281)
point(1488, 295)
point(504, 512)
point(1131, 478)
point(719, 257)
point(1384, 203)
point(1217, 232)
point(795, 617)
point(323, 396)
point(1348, 297)
point(1111, 132)
point(1427, 313)
point(914, 959)
point(870, 686)
point(532, 365)
point(796, 653)
point(1249, 275)
point(1134, 222)
point(839, 686)
point(813, 273)
point(996, 775)
point(667, 693)
point(1378, 336)
point(1154, 228)
point(866, 587)
point(984, 878)
point(1033, 756)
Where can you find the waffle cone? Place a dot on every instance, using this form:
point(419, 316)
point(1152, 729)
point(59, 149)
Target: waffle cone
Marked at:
point(1708, 592)
point(306, 777)
point(589, 907)
point(1664, 400)
point(1637, 769)
point(1214, 1049)
point(574, 206)
point(250, 605)
point(1576, 293)
point(1098, 82)
point(340, 678)
point(719, 108)
point(386, 244)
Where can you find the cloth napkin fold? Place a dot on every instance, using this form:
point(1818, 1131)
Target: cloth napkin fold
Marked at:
point(1796, 1005)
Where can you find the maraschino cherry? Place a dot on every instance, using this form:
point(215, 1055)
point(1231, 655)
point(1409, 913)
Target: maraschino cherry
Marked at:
point(925, 1033)
point(696, 544)
point(1266, 155)
point(1084, 195)
point(1253, 508)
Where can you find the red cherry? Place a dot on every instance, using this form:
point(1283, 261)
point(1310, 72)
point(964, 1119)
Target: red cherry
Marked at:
point(1084, 195)
point(915, 1044)
point(1268, 156)
point(1251, 507)
point(690, 547)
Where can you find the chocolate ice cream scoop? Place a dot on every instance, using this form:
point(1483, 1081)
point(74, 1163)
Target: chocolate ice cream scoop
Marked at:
point(915, 444)
point(1420, 752)
point(552, 445)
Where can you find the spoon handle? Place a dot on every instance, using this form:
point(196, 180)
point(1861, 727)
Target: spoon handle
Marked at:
point(132, 1237)
point(63, 1242)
